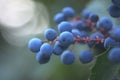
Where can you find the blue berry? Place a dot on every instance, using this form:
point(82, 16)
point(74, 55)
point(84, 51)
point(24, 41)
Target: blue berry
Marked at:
point(73, 24)
point(59, 17)
point(116, 2)
point(86, 13)
point(35, 44)
point(66, 38)
point(82, 25)
point(76, 32)
point(58, 49)
point(46, 49)
point(109, 42)
point(93, 17)
point(86, 56)
point(104, 24)
point(83, 34)
point(115, 34)
point(62, 45)
point(114, 11)
point(50, 34)
point(67, 57)
point(94, 36)
point(42, 58)
point(64, 26)
point(68, 12)
point(114, 55)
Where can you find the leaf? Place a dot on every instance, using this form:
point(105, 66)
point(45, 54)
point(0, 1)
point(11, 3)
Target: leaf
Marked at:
point(103, 68)
point(97, 51)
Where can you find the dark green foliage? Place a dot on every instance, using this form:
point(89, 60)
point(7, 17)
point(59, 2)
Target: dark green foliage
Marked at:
point(103, 69)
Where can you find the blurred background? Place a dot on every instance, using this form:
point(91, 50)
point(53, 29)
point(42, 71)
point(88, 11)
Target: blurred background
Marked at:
point(21, 20)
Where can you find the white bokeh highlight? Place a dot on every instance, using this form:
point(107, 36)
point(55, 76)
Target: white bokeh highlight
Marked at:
point(22, 20)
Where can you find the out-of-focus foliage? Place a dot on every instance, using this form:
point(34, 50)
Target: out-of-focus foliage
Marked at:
point(55, 6)
point(103, 68)
point(51, 2)
point(47, 2)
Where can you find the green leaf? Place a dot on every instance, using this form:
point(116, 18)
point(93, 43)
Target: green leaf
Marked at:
point(97, 51)
point(103, 68)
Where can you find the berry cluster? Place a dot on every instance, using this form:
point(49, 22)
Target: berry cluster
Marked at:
point(87, 29)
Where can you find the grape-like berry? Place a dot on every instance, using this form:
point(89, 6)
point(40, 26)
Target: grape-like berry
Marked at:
point(86, 13)
point(46, 49)
point(68, 12)
point(76, 32)
point(35, 44)
point(58, 49)
point(93, 36)
point(93, 17)
point(67, 57)
point(116, 2)
point(114, 11)
point(66, 38)
point(59, 17)
point(114, 55)
point(115, 34)
point(104, 24)
point(64, 26)
point(42, 58)
point(86, 56)
point(109, 42)
point(82, 26)
point(50, 34)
